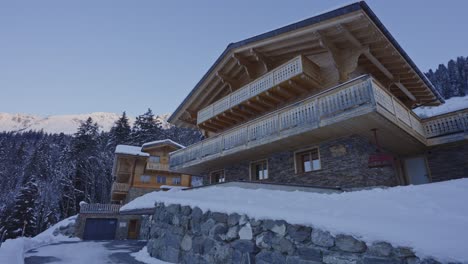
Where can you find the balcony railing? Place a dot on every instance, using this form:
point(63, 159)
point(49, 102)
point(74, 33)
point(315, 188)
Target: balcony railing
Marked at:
point(290, 69)
point(311, 113)
point(99, 208)
point(446, 124)
point(120, 187)
point(157, 166)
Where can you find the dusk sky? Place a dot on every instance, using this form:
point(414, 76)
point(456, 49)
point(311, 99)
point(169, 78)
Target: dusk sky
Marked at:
point(70, 57)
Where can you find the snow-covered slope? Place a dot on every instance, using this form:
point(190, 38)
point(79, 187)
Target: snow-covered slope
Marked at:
point(67, 124)
point(452, 104)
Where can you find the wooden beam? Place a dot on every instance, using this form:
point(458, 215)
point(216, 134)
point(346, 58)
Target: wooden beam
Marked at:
point(245, 64)
point(260, 57)
point(244, 109)
point(275, 96)
point(218, 120)
point(296, 86)
point(227, 80)
point(264, 102)
point(255, 106)
point(224, 117)
point(284, 91)
point(230, 116)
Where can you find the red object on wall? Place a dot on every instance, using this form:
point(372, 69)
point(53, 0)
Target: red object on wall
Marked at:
point(380, 160)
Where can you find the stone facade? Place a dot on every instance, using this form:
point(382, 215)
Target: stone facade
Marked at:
point(449, 161)
point(181, 234)
point(344, 163)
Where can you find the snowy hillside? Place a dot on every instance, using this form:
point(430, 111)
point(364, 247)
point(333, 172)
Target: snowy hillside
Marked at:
point(67, 124)
point(451, 104)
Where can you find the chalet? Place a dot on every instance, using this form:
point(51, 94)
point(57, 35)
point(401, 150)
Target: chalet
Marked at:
point(136, 171)
point(328, 102)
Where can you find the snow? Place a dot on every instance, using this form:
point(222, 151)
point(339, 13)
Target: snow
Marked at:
point(130, 150)
point(451, 104)
point(67, 124)
point(173, 188)
point(164, 141)
point(430, 218)
point(143, 256)
point(12, 250)
point(89, 252)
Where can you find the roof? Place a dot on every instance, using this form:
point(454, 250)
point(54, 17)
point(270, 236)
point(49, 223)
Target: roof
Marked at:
point(130, 150)
point(162, 143)
point(305, 23)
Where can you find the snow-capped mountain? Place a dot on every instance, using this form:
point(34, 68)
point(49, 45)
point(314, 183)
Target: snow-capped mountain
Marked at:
point(67, 124)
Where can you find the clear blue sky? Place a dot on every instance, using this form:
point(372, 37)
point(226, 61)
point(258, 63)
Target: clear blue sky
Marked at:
point(66, 57)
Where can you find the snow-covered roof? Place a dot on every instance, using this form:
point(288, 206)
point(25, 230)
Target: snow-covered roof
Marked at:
point(162, 142)
point(430, 218)
point(170, 187)
point(451, 104)
point(130, 150)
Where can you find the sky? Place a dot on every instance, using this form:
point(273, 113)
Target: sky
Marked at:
point(70, 57)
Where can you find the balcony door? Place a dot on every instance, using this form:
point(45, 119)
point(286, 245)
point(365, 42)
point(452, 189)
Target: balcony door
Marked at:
point(416, 170)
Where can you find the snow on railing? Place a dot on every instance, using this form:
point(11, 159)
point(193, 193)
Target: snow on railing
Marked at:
point(99, 208)
point(267, 81)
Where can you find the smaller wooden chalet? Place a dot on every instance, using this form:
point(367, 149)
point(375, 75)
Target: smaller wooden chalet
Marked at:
point(136, 171)
point(327, 101)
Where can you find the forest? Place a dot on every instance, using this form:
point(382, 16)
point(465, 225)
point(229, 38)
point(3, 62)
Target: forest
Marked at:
point(44, 177)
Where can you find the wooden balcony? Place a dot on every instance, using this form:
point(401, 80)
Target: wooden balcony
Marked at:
point(446, 128)
point(120, 187)
point(100, 208)
point(354, 107)
point(157, 166)
point(297, 76)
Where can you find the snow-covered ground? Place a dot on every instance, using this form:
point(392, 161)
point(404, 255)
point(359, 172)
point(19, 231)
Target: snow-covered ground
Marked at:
point(144, 257)
point(12, 250)
point(431, 218)
point(452, 104)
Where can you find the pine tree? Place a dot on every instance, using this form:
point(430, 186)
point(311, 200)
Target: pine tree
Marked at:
point(146, 128)
point(120, 132)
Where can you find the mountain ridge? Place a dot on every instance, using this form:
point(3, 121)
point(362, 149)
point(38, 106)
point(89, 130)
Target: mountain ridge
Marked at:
point(67, 124)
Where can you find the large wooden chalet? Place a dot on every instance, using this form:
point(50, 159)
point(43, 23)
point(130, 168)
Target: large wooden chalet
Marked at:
point(326, 101)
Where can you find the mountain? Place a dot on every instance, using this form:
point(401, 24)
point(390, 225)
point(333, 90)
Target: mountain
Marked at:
point(66, 124)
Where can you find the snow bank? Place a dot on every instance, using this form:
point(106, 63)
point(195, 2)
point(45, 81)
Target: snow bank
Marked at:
point(143, 256)
point(130, 150)
point(431, 218)
point(12, 250)
point(452, 104)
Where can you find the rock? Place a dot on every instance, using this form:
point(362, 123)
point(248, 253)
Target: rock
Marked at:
point(430, 261)
point(380, 249)
point(278, 227)
point(233, 219)
point(349, 244)
point(246, 232)
point(338, 258)
point(299, 233)
point(268, 257)
point(222, 254)
point(264, 240)
point(219, 217)
point(217, 230)
point(298, 260)
point(193, 259)
point(195, 226)
point(206, 226)
point(404, 252)
point(413, 260)
point(255, 223)
point(232, 234)
point(172, 240)
point(173, 208)
point(186, 243)
point(283, 245)
point(243, 220)
point(208, 245)
point(379, 260)
point(197, 213)
point(243, 246)
point(308, 253)
point(170, 255)
point(198, 244)
point(242, 258)
point(322, 238)
point(185, 210)
point(175, 220)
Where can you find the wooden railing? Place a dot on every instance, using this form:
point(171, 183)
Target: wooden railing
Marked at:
point(99, 208)
point(120, 187)
point(283, 73)
point(446, 124)
point(157, 166)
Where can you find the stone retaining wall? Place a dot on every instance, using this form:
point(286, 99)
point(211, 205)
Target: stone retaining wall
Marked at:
point(181, 234)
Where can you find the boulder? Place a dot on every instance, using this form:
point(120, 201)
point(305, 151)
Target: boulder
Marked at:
point(349, 244)
point(322, 238)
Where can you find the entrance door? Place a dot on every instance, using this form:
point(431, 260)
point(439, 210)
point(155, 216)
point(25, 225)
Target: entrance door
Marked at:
point(133, 229)
point(416, 170)
point(100, 229)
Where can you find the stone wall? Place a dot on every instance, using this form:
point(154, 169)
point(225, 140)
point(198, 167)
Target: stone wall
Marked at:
point(181, 234)
point(449, 161)
point(145, 227)
point(344, 163)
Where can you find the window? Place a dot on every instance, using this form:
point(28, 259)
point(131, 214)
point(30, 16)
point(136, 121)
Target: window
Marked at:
point(176, 181)
point(259, 170)
point(154, 159)
point(217, 176)
point(161, 179)
point(307, 161)
point(145, 178)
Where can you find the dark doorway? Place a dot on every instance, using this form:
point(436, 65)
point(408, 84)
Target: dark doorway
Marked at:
point(100, 229)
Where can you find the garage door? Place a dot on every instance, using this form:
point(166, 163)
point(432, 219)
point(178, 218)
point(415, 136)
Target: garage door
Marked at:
point(100, 229)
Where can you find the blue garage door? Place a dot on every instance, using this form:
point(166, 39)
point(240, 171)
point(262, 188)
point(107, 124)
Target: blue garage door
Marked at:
point(100, 229)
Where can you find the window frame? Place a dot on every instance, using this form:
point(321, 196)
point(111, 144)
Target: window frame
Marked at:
point(252, 170)
point(179, 180)
point(298, 161)
point(223, 176)
point(161, 177)
point(156, 156)
point(145, 181)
